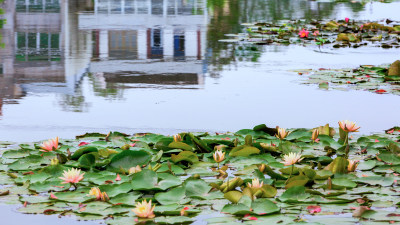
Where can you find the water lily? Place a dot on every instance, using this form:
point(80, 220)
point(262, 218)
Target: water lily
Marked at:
point(346, 20)
point(314, 209)
point(255, 183)
point(102, 196)
point(177, 138)
point(54, 161)
point(316, 33)
point(49, 145)
point(352, 165)
point(95, 191)
point(144, 210)
point(282, 133)
point(83, 143)
point(348, 126)
point(183, 211)
point(219, 156)
point(136, 169)
point(304, 33)
point(292, 158)
point(314, 135)
point(72, 176)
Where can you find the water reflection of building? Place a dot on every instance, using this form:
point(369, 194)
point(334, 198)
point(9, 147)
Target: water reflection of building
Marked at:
point(38, 36)
point(169, 33)
point(51, 44)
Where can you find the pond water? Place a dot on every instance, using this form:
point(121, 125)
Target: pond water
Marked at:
point(70, 67)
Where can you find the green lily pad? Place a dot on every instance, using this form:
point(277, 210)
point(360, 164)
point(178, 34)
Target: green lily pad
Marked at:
point(128, 159)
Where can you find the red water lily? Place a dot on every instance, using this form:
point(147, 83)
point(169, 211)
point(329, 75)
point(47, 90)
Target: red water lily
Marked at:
point(304, 33)
point(83, 143)
point(380, 91)
point(314, 209)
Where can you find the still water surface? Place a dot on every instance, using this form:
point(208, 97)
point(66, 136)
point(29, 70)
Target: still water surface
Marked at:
point(70, 67)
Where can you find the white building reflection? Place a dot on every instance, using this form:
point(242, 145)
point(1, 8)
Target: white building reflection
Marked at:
point(51, 44)
point(172, 33)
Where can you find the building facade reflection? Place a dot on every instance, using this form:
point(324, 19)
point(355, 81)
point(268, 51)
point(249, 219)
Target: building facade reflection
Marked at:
point(51, 45)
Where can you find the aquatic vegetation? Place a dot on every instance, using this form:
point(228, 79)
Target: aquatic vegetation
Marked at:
point(314, 135)
point(144, 209)
point(382, 79)
point(49, 145)
point(282, 133)
point(72, 176)
point(348, 126)
point(304, 33)
point(102, 196)
point(336, 34)
point(255, 183)
point(291, 158)
point(219, 156)
point(266, 177)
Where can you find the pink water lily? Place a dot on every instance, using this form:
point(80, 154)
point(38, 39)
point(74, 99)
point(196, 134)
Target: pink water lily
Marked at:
point(72, 176)
point(314, 209)
point(49, 145)
point(346, 20)
point(316, 33)
point(348, 126)
point(304, 33)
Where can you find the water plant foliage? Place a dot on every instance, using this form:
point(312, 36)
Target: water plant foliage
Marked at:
point(179, 175)
point(384, 79)
point(332, 33)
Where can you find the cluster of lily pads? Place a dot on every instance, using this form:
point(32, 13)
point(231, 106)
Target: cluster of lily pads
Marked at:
point(367, 77)
point(341, 33)
point(260, 175)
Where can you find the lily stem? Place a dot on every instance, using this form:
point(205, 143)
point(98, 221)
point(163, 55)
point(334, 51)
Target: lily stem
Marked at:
point(291, 172)
point(346, 143)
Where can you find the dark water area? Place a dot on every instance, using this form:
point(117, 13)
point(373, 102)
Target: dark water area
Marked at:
point(70, 67)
